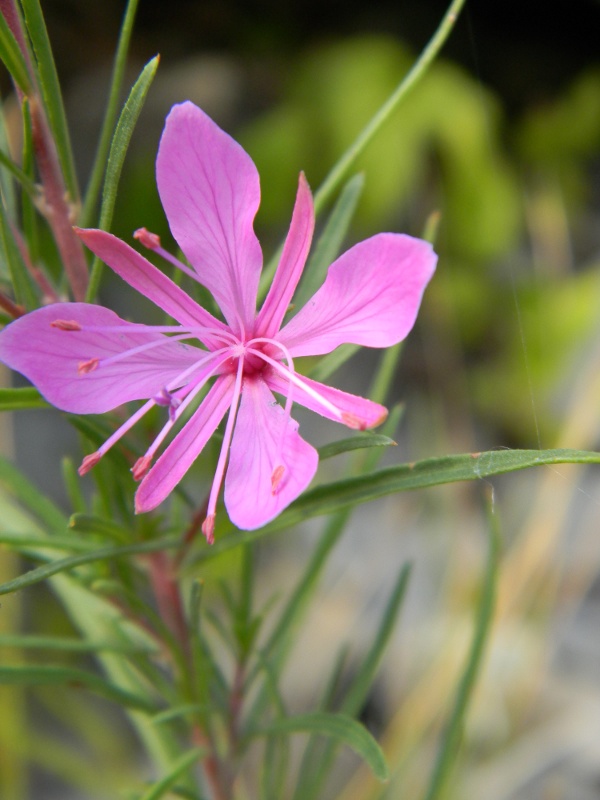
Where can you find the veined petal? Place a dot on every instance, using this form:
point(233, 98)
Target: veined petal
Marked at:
point(291, 264)
point(365, 413)
point(265, 438)
point(138, 272)
point(210, 191)
point(370, 297)
point(185, 447)
point(51, 358)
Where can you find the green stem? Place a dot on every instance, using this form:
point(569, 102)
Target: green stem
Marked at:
point(340, 170)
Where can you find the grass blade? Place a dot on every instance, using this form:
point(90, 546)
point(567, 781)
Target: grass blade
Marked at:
point(118, 149)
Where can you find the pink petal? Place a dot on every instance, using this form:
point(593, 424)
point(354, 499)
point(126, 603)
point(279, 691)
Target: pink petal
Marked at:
point(138, 272)
point(210, 191)
point(50, 357)
point(263, 440)
point(365, 413)
point(291, 264)
point(185, 447)
point(370, 297)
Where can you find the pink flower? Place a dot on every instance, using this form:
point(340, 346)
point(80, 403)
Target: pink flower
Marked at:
point(86, 360)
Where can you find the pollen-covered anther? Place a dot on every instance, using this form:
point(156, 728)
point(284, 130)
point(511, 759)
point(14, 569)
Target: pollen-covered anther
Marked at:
point(147, 239)
point(66, 325)
point(354, 422)
point(84, 367)
point(276, 478)
point(208, 528)
point(89, 462)
point(141, 467)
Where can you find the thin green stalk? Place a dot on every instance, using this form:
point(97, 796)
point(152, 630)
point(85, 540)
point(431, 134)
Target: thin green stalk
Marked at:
point(419, 68)
point(453, 733)
point(112, 107)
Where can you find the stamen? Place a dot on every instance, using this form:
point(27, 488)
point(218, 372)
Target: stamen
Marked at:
point(280, 469)
point(152, 242)
point(66, 325)
point(227, 436)
point(208, 528)
point(147, 239)
point(141, 467)
point(276, 478)
point(89, 462)
point(352, 421)
point(85, 367)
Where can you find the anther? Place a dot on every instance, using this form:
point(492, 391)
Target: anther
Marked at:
point(89, 462)
point(66, 325)
point(276, 477)
point(354, 422)
point(84, 367)
point(147, 239)
point(208, 528)
point(141, 467)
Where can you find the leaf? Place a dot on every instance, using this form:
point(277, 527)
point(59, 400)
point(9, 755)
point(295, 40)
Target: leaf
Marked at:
point(349, 492)
point(65, 564)
point(27, 397)
point(355, 443)
point(91, 524)
point(48, 78)
point(12, 57)
point(343, 729)
point(483, 623)
point(70, 644)
point(110, 115)
point(181, 765)
point(57, 675)
point(118, 150)
point(10, 255)
point(30, 497)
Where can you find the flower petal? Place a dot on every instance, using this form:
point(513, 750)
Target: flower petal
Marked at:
point(370, 297)
point(364, 413)
point(264, 439)
point(210, 191)
point(185, 447)
point(50, 357)
point(291, 264)
point(138, 272)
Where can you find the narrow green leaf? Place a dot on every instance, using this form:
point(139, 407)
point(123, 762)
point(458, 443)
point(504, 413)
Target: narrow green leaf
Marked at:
point(51, 91)
point(73, 486)
point(65, 564)
point(27, 397)
point(12, 57)
point(343, 729)
point(25, 543)
point(483, 623)
point(330, 242)
point(181, 765)
point(27, 184)
point(349, 492)
point(70, 645)
point(93, 188)
point(318, 760)
point(118, 149)
point(51, 675)
point(11, 256)
point(30, 497)
point(359, 442)
point(91, 524)
point(179, 711)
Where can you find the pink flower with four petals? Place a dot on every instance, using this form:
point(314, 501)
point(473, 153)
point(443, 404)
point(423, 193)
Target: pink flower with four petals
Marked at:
point(86, 360)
